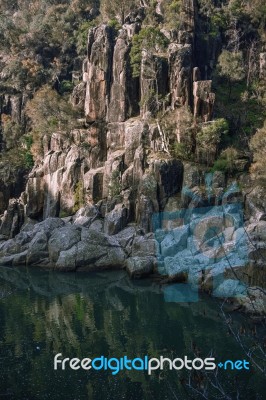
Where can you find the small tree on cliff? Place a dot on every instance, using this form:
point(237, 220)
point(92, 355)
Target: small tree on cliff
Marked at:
point(149, 39)
point(48, 112)
point(117, 9)
point(258, 146)
point(231, 66)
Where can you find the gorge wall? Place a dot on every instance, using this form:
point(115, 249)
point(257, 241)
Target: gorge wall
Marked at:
point(90, 202)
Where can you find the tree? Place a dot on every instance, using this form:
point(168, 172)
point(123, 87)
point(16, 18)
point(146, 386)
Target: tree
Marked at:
point(258, 146)
point(117, 9)
point(48, 112)
point(149, 39)
point(209, 138)
point(231, 66)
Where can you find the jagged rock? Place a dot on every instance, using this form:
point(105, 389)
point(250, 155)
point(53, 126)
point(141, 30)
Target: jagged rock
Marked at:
point(97, 225)
point(256, 203)
point(67, 260)
point(230, 288)
point(78, 95)
point(145, 210)
point(94, 185)
point(192, 176)
point(20, 259)
point(203, 100)
point(116, 220)
point(175, 242)
point(143, 246)
point(38, 249)
point(86, 215)
point(126, 237)
point(153, 82)
point(97, 250)
point(135, 132)
point(169, 176)
point(218, 180)
point(138, 267)
point(127, 178)
point(115, 136)
point(254, 302)
point(180, 71)
point(63, 239)
point(48, 226)
point(123, 96)
point(98, 72)
point(12, 219)
point(35, 197)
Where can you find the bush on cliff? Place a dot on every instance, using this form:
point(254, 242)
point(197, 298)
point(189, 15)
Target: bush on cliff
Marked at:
point(48, 112)
point(149, 39)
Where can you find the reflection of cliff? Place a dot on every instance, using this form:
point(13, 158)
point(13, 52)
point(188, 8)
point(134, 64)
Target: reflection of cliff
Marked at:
point(105, 314)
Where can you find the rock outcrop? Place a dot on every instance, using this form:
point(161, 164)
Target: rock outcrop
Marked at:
point(113, 194)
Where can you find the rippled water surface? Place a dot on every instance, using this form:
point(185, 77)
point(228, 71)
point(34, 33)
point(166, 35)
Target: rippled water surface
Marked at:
point(79, 315)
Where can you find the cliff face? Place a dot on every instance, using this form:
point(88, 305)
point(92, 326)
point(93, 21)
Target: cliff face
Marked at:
point(106, 182)
point(122, 143)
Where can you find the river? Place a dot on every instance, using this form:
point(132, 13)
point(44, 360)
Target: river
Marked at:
point(43, 313)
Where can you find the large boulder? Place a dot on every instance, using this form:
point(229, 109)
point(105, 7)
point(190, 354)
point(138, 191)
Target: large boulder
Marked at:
point(63, 239)
point(38, 250)
point(138, 267)
point(116, 220)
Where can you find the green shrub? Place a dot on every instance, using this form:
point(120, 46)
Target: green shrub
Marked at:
point(181, 151)
point(78, 197)
point(66, 87)
point(113, 23)
point(220, 165)
point(150, 39)
point(115, 186)
point(226, 161)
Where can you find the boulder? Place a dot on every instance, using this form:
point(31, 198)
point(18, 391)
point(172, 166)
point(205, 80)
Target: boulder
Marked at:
point(143, 246)
point(116, 220)
point(63, 239)
point(138, 267)
point(38, 249)
point(175, 241)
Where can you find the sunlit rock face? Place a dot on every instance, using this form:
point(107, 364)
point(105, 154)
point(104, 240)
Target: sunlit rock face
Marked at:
point(91, 201)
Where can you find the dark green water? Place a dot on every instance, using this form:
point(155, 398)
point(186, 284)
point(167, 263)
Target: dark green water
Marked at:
point(45, 313)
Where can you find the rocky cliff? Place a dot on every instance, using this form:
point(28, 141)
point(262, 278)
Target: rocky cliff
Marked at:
point(114, 195)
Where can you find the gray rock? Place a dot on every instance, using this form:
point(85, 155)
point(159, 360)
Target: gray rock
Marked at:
point(97, 225)
point(175, 241)
point(230, 288)
point(138, 267)
point(67, 260)
point(142, 246)
point(63, 239)
point(98, 72)
point(116, 220)
point(48, 226)
point(38, 249)
point(126, 237)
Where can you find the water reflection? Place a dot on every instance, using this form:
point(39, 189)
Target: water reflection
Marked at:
point(44, 313)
